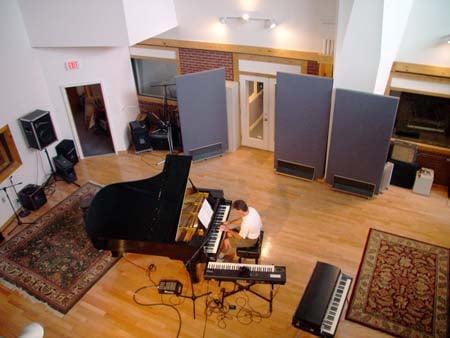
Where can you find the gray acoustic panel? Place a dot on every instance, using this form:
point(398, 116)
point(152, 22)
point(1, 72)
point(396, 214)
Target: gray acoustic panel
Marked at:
point(360, 136)
point(302, 120)
point(203, 113)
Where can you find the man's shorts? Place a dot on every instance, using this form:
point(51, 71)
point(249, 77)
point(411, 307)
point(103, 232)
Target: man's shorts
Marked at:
point(242, 242)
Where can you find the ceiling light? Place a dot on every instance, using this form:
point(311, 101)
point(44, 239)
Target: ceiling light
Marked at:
point(268, 23)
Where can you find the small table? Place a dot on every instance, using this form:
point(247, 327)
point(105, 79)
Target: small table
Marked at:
point(424, 181)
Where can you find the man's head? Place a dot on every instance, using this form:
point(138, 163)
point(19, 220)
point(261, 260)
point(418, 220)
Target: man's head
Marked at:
point(241, 207)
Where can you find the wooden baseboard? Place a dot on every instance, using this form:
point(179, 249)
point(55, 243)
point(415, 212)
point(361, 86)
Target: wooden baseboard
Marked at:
point(4, 226)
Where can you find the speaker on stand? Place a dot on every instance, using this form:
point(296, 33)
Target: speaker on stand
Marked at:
point(40, 133)
point(38, 129)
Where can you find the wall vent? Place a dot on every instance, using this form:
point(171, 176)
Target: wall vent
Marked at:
point(295, 169)
point(205, 152)
point(352, 186)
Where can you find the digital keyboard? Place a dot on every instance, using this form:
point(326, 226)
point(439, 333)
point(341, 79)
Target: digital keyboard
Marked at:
point(321, 306)
point(213, 245)
point(222, 271)
point(331, 319)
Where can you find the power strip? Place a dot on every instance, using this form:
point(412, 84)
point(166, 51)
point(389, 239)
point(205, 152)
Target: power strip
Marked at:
point(170, 286)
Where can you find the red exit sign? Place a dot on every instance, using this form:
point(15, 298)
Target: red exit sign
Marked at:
point(72, 65)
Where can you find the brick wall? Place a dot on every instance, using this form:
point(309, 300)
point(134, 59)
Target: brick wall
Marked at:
point(313, 68)
point(196, 60)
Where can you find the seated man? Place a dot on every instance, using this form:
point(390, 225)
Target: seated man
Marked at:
point(250, 228)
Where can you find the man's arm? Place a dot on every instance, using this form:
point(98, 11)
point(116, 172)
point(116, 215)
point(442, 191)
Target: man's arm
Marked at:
point(231, 224)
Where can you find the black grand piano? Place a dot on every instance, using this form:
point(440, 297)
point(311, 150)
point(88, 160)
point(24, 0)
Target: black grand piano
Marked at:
point(158, 215)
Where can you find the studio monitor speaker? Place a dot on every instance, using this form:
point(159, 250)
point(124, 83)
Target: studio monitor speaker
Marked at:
point(38, 129)
point(67, 149)
point(140, 137)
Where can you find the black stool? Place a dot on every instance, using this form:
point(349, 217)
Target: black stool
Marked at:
point(253, 252)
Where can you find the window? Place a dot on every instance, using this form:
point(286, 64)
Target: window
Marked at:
point(152, 74)
point(423, 118)
point(9, 156)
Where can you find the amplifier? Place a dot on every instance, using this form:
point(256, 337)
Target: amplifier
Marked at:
point(32, 197)
point(140, 137)
point(64, 168)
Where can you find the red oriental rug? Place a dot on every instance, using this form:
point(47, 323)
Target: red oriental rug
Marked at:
point(402, 287)
point(53, 259)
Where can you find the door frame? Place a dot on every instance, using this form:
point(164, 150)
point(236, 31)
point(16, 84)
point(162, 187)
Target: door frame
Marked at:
point(69, 112)
point(268, 116)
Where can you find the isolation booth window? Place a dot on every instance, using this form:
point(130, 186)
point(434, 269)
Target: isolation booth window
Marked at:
point(153, 75)
point(423, 118)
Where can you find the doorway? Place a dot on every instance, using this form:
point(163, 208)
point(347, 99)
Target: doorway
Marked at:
point(258, 111)
point(90, 120)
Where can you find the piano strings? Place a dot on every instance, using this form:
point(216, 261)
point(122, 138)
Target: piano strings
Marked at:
point(188, 220)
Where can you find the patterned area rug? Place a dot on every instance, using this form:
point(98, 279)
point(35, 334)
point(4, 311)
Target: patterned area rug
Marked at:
point(53, 259)
point(402, 287)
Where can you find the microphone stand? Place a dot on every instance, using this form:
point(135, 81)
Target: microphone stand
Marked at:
point(165, 115)
point(24, 212)
point(5, 190)
point(188, 266)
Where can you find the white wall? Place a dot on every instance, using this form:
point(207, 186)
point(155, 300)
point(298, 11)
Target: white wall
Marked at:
point(344, 10)
point(422, 43)
point(95, 23)
point(22, 90)
point(357, 59)
point(395, 18)
point(110, 66)
point(146, 18)
point(74, 23)
point(302, 23)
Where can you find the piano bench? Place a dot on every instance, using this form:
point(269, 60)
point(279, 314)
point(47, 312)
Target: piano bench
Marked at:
point(253, 252)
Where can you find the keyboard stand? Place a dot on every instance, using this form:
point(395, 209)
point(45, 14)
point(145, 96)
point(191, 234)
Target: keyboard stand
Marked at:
point(240, 287)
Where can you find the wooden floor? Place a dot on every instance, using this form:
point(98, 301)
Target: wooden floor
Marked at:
point(304, 222)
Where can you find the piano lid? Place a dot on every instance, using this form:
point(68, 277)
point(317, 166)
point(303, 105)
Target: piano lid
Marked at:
point(144, 210)
point(315, 299)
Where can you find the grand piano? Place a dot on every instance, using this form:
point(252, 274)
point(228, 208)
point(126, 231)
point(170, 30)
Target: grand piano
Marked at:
point(158, 215)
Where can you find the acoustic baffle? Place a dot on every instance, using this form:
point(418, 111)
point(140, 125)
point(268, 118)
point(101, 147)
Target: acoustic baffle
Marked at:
point(301, 124)
point(360, 136)
point(203, 113)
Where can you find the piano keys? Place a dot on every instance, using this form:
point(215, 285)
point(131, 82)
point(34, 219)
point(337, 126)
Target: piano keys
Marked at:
point(257, 273)
point(215, 239)
point(146, 216)
point(321, 306)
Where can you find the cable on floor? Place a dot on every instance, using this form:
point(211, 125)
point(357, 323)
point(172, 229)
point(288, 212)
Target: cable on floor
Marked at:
point(149, 270)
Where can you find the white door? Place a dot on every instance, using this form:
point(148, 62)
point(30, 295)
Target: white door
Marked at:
point(257, 111)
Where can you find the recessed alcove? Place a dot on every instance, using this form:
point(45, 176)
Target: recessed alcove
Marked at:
point(9, 156)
